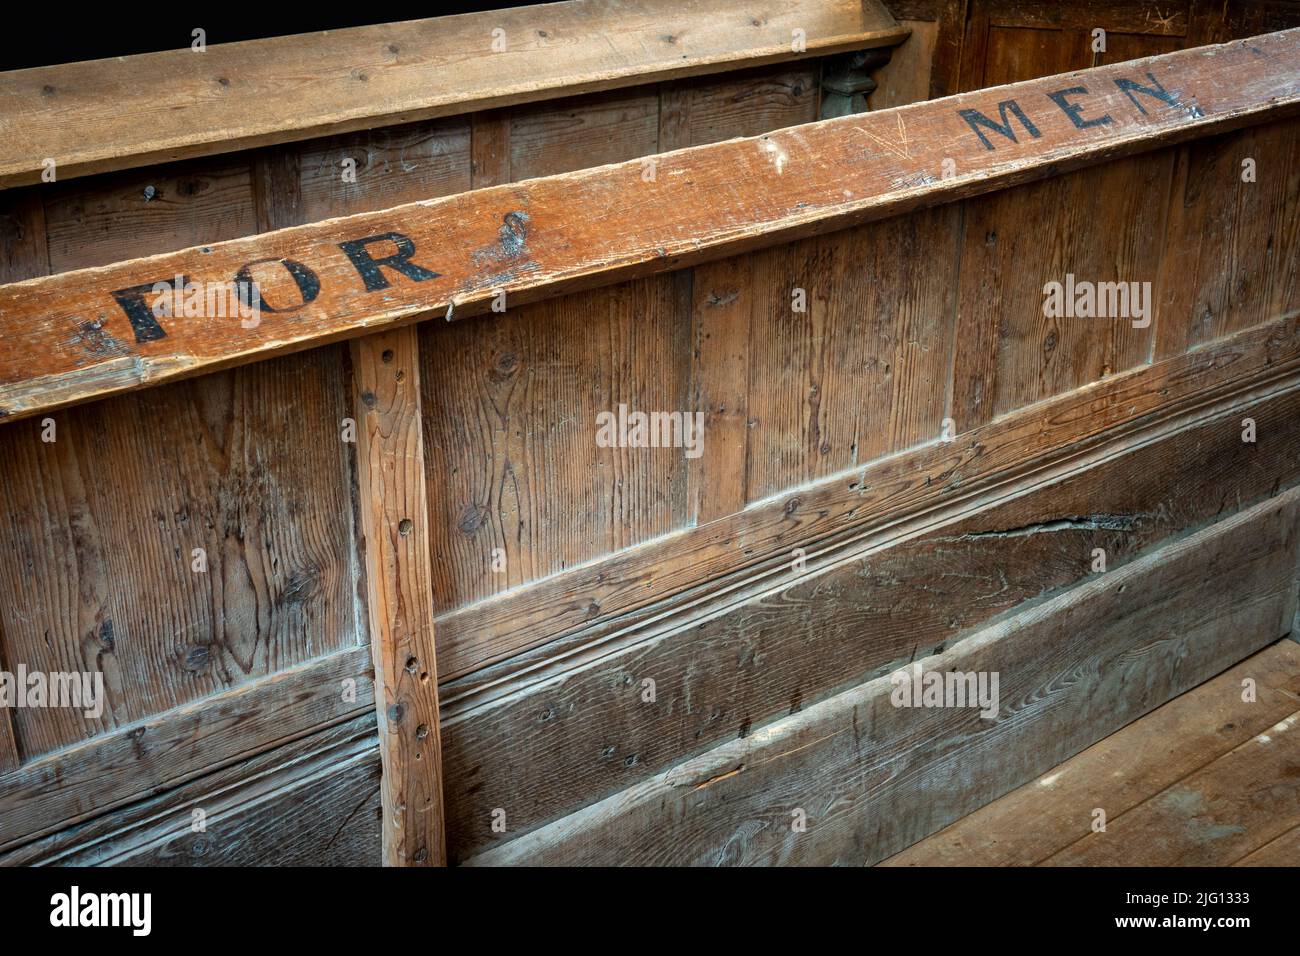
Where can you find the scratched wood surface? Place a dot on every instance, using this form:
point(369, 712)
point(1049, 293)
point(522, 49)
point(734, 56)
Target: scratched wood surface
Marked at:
point(871, 777)
point(312, 801)
point(1149, 760)
point(758, 657)
point(399, 582)
point(100, 115)
point(528, 239)
point(102, 522)
point(519, 489)
point(119, 768)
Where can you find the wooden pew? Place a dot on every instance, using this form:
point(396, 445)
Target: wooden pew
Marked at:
point(900, 446)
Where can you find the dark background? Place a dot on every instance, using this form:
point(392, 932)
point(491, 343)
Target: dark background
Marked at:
point(38, 34)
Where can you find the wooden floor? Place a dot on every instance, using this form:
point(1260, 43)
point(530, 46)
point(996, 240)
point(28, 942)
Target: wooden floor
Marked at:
point(1209, 779)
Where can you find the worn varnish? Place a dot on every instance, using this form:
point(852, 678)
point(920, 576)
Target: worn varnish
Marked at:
point(530, 239)
point(262, 92)
point(937, 450)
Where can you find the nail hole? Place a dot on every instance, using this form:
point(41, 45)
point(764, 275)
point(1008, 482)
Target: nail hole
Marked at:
point(388, 355)
point(404, 527)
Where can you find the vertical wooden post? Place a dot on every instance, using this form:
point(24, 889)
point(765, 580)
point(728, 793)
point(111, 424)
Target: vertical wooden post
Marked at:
point(390, 455)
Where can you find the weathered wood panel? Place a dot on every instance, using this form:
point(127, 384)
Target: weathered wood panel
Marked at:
point(146, 212)
point(871, 777)
point(746, 104)
point(522, 488)
point(392, 166)
point(552, 744)
point(1009, 353)
point(1123, 771)
point(102, 114)
point(1283, 851)
point(399, 585)
point(553, 235)
point(1232, 256)
point(114, 769)
point(589, 602)
point(863, 369)
point(312, 802)
point(180, 542)
point(906, 77)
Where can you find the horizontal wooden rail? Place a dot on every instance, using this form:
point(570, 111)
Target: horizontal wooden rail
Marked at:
point(91, 333)
point(134, 111)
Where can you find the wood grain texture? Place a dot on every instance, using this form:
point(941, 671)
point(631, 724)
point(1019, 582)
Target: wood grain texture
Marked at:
point(313, 801)
point(1009, 354)
point(395, 165)
point(591, 601)
point(861, 373)
point(134, 763)
point(560, 136)
point(522, 488)
point(1123, 771)
point(148, 211)
point(1232, 249)
point(747, 103)
point(906, 77)
point(1218, 814)
point(872, 778)
point(103, 114)
point(1282, 851)
point(24, 252)
point(554, 235)
point(399, 584)
point(102, 525)
point(724, 669)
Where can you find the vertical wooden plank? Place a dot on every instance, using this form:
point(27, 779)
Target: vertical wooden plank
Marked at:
point(9, 759)
point(277, 187)
point(1230, 246)
point(143, 212)
point(1009, 353)
point(674, 116)
point(906, 77)
point(23, 250)
point(489, 148)
point(388, 167)
point(723, 303)
point(394, 515)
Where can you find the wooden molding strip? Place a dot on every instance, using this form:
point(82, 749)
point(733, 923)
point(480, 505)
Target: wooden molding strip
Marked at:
point(595, 602)
point(87, 334)
point(248, 822)
point(724, 670)
point(863, 771)
point(92, 778)
point(399, 584)
point(134, 111)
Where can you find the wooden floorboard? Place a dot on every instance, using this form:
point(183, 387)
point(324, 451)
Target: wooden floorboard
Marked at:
point(1207, 779)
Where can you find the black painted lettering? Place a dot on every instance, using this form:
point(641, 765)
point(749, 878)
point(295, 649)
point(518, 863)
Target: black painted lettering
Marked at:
point(976, 119)
point(1074, 111)
point(1155, 91)
point(139, 312)
point(307, 280)
point(369, 267)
